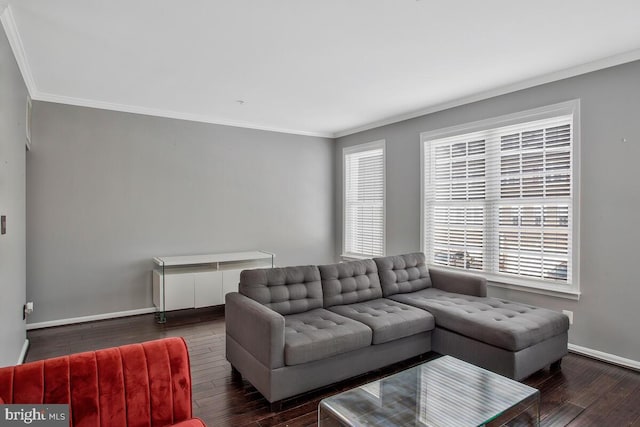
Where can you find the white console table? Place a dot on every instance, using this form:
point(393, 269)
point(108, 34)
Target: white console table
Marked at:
point(194, 281)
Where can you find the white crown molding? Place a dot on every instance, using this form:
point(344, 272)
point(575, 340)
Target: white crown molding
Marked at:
point(607, 357)
point(81, 102)
point(15, 41)
point(10, 27)
point(600, 64)
point(83, 319)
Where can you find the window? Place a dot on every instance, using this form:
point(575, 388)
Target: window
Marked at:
point(500, 198)
point(364, 189)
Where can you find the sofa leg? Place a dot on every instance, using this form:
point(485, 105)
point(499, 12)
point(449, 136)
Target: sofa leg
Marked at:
point(235, 374)
point(275, 406)
point(556, 366)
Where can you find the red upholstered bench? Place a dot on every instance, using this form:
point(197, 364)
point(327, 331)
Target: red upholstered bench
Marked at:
point(146, 384)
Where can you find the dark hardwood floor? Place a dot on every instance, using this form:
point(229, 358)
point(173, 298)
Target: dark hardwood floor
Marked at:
point(584, 393)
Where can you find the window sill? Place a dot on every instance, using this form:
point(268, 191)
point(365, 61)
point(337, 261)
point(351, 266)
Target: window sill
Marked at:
point(522, 285)
point(549, 290)
point(353, 257)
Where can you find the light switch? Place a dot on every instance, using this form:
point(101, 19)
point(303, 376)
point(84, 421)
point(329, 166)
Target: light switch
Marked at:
point(3, 224)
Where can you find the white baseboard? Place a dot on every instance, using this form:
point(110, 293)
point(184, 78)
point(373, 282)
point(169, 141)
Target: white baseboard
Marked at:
point(607, 357)
point(83, 319)
point(23, 352)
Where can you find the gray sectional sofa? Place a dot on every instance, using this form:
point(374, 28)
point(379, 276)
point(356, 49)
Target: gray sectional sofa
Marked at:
point(294, 329)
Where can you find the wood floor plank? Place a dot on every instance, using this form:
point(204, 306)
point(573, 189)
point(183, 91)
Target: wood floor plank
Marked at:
point(584, 392)
point(561, 415)
point(627, 410)
point(597, 413)
point(559, 387)
point(596, 390)
point(289, 415)
point(307, 420)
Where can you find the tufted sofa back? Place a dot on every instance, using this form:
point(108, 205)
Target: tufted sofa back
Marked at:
point(403, 273)
point(138, 384)
point(350, 282)
point(286, 290)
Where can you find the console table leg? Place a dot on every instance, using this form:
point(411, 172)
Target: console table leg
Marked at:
point(161, 317)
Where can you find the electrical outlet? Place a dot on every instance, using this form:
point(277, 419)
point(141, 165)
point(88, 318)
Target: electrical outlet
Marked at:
point(27, 309)
point(569, 314)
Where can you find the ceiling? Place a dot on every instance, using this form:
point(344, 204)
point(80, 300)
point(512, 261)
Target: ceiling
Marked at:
point(316, 67)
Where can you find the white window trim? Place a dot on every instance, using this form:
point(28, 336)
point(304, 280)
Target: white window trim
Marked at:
point(356, 149)
point(570, 291)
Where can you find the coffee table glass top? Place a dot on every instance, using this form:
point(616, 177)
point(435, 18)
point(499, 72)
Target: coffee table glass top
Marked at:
point(441, 392)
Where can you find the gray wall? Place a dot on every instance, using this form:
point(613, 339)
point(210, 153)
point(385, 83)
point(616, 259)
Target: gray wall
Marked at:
point(13, 97)
point(107, 191)
point(606, 317)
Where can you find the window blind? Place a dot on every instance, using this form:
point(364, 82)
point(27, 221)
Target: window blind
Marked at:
point(500, 200)
point(364, 200)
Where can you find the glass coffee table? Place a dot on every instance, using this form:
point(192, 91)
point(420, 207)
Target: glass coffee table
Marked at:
point(441, 392)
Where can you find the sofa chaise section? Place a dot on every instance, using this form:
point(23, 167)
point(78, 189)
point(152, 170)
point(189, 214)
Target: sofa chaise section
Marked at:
point(510, 338)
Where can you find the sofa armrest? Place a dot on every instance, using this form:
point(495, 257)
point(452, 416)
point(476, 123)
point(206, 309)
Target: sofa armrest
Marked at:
point(258, 329)
point(457, 282)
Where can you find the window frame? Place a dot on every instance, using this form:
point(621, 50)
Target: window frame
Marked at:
point(368, 146)
point(569, 290)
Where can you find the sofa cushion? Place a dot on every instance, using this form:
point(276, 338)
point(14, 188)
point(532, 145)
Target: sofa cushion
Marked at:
point(285, 290)
point(403, 273)
point(505, 324)
point(350, 282)
point(319, 333)
point(389, 320)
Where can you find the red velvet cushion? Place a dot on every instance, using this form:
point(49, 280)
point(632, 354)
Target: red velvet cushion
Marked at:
point(112, 400)
point(28, 383)
point(146, 384)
